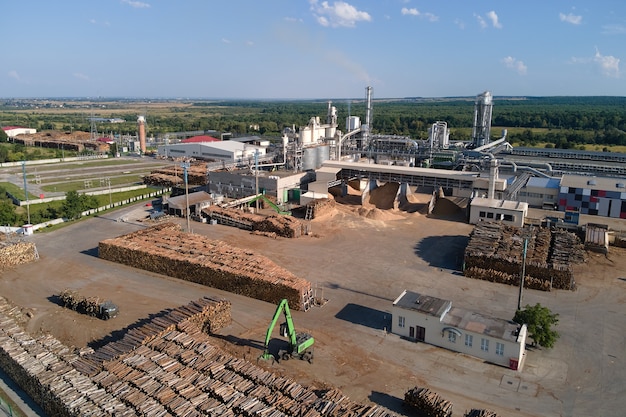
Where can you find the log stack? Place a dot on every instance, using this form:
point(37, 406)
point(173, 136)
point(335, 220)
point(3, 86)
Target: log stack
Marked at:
point(196, 175)
point(178, 373)
point(165, 249)
point(320, 206)
point(428, 402)
point(285, 226)
point(17, 253)
point(495, 253)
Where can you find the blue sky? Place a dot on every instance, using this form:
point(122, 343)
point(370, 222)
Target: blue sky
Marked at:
point(263, 49)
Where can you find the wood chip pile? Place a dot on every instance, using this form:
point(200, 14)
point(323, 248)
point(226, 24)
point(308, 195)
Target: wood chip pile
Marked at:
point(208, 314)
point(196, 175)
point(17, 253)
point(480, 413)
point(495, 253)
point(165, 249)
point(285, 226)
point(321, 206)
point(179, 373)
point(428, 402)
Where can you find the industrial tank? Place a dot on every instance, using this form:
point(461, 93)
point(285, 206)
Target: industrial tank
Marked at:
point(323, 155)
point(352, 122)
point(309, 158)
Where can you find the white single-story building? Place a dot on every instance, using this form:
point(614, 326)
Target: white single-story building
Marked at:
point(228, 151)
point(488, 209)
point(541, 192)
point(432, 320)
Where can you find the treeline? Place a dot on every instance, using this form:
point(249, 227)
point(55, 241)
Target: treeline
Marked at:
point(562, 121)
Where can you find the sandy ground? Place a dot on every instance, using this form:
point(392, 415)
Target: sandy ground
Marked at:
point(360, 257)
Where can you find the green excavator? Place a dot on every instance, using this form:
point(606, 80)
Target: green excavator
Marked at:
point(300, 344)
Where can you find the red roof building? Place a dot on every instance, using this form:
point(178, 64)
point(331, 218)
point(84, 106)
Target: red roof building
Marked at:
point(200, 139)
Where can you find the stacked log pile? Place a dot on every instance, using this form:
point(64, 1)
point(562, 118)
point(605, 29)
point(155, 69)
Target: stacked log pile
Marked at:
point(74, 301)
point(42, 368)
point(428, 402)
point(285, 226)
point(165, 249)
point(17, 253)
point(208, 314)
point(480, 413)
point(196, 175)
point(495, 253)
point(183, 374)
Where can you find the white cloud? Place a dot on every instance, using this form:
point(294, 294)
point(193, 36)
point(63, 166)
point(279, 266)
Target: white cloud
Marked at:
point(292, 19)
point(81, 76)
point(515, 65)
point(571, 18)
point(494, 19)
point(249, 43)
point(414, 12)
point(609, 65)
point(339, 14)
point(481, 21)
point(224, 40)
point(459, 23)
point(92, 21)
point(613, 30)
point(13, 74)
point(136, 4)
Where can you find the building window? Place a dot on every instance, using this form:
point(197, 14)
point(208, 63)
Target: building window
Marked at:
point(490, 215)
point(481, 214)
point(484, 345)
point(499, 349)
point(469, 340)
point(452, 337)
point(400, 321)
point(508, 218)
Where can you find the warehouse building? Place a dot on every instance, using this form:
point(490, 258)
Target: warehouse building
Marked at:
point(512, 213)
point(13, 131)
point(596, 196)
point(422, 318)
point(227, 151)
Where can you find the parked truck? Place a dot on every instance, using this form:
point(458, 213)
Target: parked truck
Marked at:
point(92, 306)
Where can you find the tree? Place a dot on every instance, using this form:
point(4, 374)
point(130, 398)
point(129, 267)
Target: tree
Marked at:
point(8, 216)
point(539, 320)
point(72, 206)
point(3, 136)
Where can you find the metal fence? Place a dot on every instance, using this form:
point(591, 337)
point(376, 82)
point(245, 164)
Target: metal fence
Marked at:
point(6, 409)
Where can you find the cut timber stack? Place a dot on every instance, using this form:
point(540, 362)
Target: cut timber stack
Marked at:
point(320, 206)
point(162, 180)
point(17, 253)
point(165, 249)
point(428, 402)
point(196, 175)
point(207, 314)
point(480, 413)
point(42, 368)
point(178, 373)
point(495, 253)
point(285, 226)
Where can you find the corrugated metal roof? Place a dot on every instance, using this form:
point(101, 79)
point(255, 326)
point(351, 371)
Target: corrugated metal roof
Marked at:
point(200, 139)
point(594, 183)
point(179, 202)
point(543, 182)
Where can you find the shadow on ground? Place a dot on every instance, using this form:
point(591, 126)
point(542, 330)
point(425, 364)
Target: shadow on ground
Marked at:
point(443, 251)
point(365, 316)
point(392, 403)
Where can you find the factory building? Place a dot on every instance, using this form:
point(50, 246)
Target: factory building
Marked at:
point(422, 318)
point(512, 213)
point(227, 151)
point(596, 196)
point(541, 192)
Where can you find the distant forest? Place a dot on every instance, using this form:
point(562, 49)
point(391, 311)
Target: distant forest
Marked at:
point(563, 122)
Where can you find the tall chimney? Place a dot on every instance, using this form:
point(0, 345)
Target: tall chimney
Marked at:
point(141, 126)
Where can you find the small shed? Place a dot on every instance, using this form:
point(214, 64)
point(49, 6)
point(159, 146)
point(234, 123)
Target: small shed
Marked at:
point(508, 212)
point(597, 237)
point(177, 206)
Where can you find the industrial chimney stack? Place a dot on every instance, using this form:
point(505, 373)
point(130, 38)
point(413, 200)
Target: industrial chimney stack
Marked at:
point(141, 127)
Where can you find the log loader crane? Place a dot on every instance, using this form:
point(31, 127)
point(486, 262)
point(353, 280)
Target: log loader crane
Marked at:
point(300, 344)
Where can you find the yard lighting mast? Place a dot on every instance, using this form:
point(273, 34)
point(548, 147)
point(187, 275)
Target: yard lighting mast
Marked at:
point(26, 190)
point(185, 166)
point(526, 235)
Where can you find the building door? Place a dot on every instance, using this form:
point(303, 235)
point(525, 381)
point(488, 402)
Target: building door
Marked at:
point(421, 333)
point(412, 332)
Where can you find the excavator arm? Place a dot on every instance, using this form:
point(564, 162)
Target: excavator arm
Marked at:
point(300, 344)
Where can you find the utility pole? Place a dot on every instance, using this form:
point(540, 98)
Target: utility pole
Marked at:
point(526, 235)
point(185, 166)
point(108, 180)
point(256, 177)
point(26, 190)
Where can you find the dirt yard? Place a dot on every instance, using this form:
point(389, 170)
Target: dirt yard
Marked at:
point(359, 257)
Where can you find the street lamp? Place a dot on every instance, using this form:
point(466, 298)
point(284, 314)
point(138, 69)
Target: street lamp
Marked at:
point(526, 235)
point(26, 190)
point(108, 181)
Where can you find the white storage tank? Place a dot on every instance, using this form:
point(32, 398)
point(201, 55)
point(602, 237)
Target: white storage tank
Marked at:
point(323, 155)
point(352, 122)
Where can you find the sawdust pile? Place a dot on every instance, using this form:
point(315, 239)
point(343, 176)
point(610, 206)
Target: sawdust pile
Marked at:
point(384, 197)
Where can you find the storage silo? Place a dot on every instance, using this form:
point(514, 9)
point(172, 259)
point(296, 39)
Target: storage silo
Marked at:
point(322, 154)
point(352, 122)
point(141, 127)
point(309, 158)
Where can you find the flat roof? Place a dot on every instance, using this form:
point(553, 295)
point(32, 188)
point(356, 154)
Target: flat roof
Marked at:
point(395, 169)
point(540, 182)
point(434, 306)
point(180, 201)
point(504, 204)
point(594, 183)
point(478, 323)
